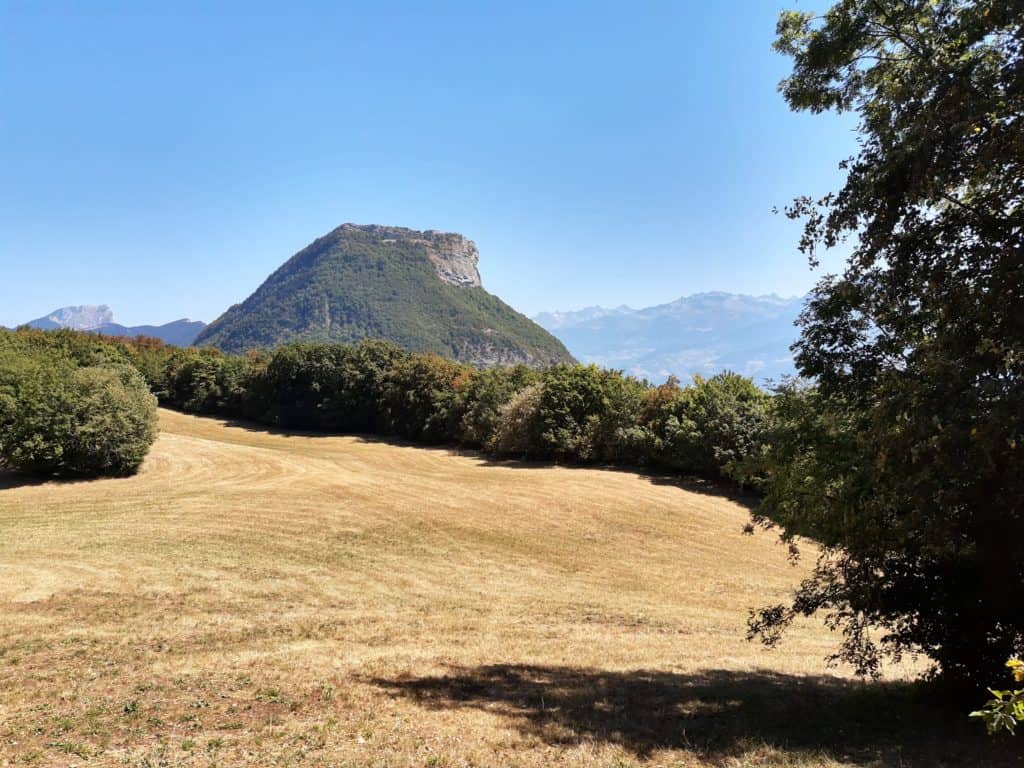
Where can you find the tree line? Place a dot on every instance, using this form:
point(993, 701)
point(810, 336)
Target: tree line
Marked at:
point(567, 412)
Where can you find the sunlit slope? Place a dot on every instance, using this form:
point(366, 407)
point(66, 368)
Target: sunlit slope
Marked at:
point(253, 598)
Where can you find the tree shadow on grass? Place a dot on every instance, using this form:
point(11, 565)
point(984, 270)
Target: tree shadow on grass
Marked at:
point(258, 427)
point(10, 480)
point(690, 483)
point(720, 715)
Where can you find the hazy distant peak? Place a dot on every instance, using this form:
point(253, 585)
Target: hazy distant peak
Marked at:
point(552, 320)
point(713, 301)
point(86, 317)
point(100, 319)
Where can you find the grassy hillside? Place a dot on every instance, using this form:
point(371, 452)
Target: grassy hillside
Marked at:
point(379, 283)
point(261, 599)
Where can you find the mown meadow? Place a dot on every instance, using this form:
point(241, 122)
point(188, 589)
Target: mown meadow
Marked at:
point(262, 597)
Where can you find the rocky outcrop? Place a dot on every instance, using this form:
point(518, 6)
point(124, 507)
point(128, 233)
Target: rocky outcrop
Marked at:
point(454, 256)
point(489, 354)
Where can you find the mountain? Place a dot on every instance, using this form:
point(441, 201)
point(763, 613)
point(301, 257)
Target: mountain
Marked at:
point(83, 318)
point(100, 319)
point(180, 333)
point(421, 290)
point(700, 334)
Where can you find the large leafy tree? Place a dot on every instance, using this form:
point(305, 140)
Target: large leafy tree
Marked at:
point(906, 461)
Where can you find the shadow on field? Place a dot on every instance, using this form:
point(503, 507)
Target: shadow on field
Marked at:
point(720, 715)
point(689, 483)
point(266, 429)
point(258, 427)
point(12, 480)
point(704, 487)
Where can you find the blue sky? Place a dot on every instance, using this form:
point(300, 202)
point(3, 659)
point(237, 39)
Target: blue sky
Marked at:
point(165, 158)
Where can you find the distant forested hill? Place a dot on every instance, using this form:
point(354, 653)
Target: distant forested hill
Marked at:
point(700, 334)
point(418, 289)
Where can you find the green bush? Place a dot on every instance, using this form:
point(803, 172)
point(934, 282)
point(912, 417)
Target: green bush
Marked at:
point(584, 413)
point(329, 387)
point(484, 394)
point(205, 381)
point(609, 433)
point(421, 398)
point(295, 387)
point(1006, 708)
point(355, 397)
point(58, 419)
point(711, 428)
point(515, 431)
point(115, 421)
point(81, 349)
point(149, 356)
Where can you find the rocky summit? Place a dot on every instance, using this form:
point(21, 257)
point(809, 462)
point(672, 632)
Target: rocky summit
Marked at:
point(419, 289)
point(454, 256)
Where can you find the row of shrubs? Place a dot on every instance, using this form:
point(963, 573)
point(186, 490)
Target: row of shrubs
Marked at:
point(567, 412)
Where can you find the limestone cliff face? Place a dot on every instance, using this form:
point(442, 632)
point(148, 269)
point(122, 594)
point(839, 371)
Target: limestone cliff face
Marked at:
point(454, 256)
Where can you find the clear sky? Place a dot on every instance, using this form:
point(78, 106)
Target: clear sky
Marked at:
point(164, 158)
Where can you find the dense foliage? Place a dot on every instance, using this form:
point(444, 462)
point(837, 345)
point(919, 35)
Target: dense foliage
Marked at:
point(421, 398)
point(583, 413)
point(69, 407)
point(710, 428)
point(906, 461)
point(486, 394)
point(379, 283)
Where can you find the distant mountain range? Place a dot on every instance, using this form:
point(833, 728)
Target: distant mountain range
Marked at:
point(700, 334)
point(100, 319)
point(420, 290)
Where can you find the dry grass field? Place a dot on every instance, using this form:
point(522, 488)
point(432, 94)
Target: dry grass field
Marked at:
point(262, 599)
